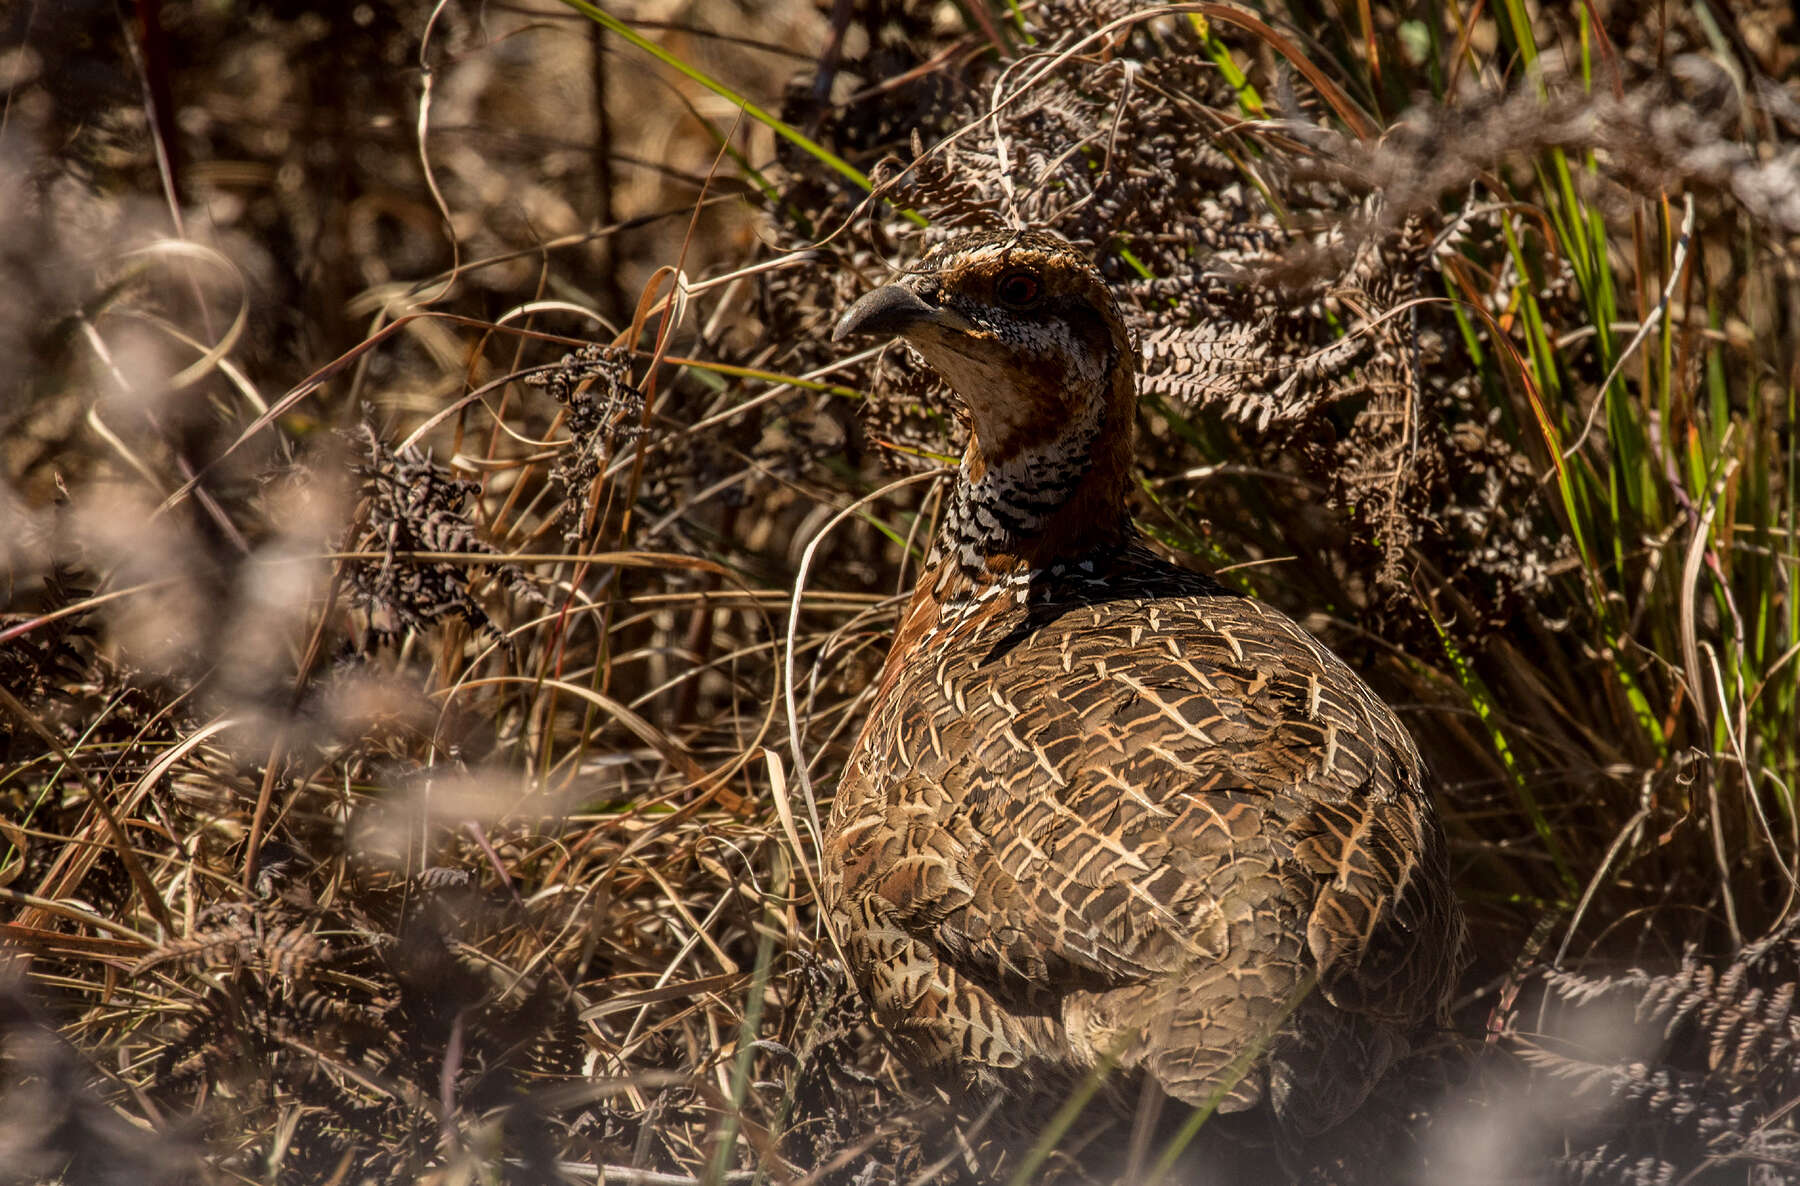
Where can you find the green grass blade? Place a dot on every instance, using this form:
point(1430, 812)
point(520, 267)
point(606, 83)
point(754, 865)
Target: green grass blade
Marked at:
point(768, 119)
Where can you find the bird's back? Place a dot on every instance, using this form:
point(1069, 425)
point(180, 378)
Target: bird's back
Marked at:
point(1113, 811)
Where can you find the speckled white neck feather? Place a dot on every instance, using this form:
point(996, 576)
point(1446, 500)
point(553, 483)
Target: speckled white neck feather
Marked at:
point(1012, 500)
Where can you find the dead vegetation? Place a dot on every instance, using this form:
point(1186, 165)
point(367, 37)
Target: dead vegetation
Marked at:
point(411, 710)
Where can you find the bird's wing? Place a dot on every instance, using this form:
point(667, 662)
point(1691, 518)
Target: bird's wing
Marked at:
point(1134, 790)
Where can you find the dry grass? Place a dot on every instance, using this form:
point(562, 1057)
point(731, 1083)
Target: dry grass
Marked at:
point(414, 719)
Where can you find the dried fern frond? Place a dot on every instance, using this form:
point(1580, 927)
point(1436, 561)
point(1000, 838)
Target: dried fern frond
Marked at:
point(1715, 1084)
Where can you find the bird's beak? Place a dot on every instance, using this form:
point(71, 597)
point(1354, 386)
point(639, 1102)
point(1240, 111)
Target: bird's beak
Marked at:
point(891, 310)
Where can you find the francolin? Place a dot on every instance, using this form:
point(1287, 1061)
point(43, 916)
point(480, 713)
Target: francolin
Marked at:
point(1105, 809)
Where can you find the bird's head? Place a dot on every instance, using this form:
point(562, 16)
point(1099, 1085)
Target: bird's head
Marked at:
point(1023, 329)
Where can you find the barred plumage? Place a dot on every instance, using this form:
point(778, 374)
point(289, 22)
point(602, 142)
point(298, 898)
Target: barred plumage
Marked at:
point(1104, 807)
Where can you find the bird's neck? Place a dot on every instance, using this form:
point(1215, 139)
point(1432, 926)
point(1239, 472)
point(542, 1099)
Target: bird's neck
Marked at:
point(1019, 512)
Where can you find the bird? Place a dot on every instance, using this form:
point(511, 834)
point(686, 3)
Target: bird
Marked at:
point(1105, 813)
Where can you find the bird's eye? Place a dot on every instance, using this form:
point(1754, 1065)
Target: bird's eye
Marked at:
point(1019, 289)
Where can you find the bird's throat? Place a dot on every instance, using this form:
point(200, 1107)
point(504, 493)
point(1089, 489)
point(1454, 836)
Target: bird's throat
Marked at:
point(1047, 504)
